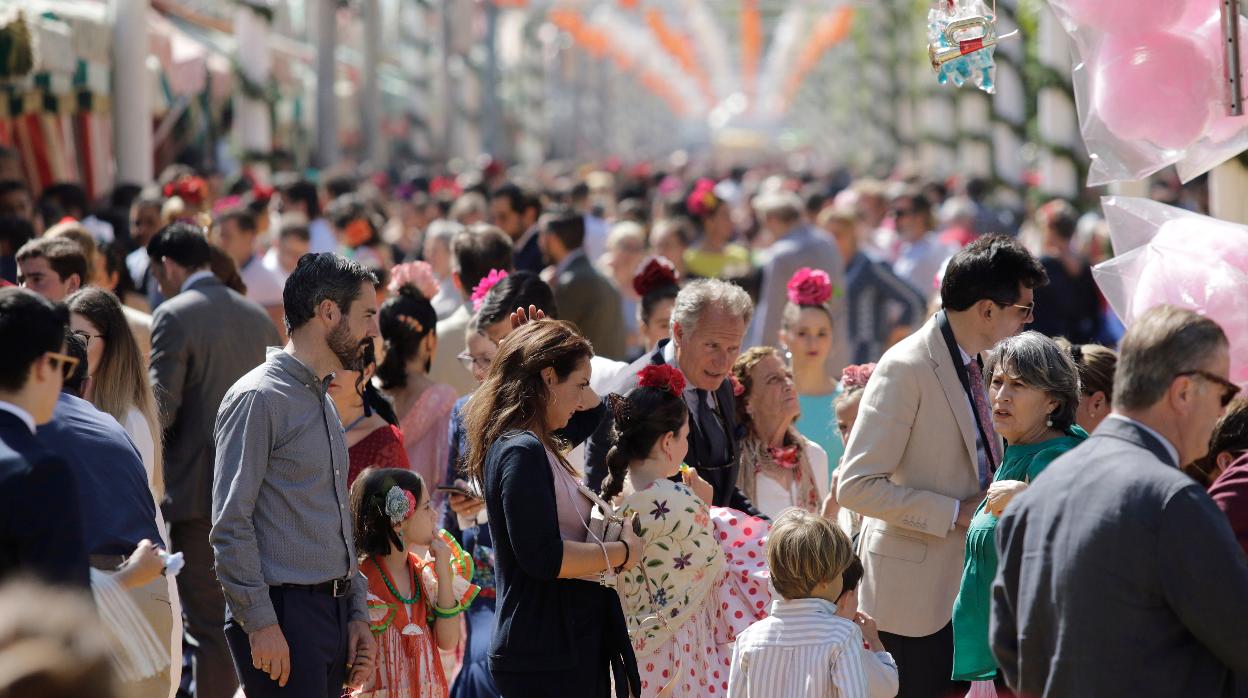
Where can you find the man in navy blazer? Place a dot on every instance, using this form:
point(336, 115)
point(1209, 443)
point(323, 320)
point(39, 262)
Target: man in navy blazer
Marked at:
point(40, 529)
point(708, 322)
point(1118, 574)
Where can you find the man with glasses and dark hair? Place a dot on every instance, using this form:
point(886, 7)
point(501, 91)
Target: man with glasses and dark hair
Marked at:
point(40, 525)
point(920, 252)
point(923, 452)
point(1118, 574)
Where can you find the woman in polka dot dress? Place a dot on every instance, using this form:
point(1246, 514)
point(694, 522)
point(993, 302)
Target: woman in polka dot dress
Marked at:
point(703, 576)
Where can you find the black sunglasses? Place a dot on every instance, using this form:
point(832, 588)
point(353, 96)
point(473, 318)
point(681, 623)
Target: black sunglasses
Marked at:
point(1229, 389)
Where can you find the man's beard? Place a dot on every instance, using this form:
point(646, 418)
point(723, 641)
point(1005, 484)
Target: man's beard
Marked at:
point(348, 349)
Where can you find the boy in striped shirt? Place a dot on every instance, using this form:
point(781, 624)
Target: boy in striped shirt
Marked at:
point(803, 648)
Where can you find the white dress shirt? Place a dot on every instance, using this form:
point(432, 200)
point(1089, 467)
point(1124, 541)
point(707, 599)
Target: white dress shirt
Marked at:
point(802, 649)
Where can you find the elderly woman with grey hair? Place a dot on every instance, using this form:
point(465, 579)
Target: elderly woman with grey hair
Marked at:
point(1034, 388)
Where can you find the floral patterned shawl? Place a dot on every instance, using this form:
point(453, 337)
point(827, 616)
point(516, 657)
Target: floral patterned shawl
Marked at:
point(681, 562)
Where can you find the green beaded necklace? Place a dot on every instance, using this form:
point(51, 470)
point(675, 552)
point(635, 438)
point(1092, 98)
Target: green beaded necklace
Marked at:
point(386, 578)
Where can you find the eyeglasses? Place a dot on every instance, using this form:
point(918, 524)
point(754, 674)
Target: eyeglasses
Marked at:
point(87, 336)
point(63, 362)
point(482, 363)
point(1030, 310)
point(1229, 389)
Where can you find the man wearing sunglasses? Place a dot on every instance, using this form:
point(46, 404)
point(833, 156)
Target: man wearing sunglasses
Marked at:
point(40, 528)
point(1119, 575)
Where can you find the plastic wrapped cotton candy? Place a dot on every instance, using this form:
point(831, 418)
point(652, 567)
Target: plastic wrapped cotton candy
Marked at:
point(1170, 256)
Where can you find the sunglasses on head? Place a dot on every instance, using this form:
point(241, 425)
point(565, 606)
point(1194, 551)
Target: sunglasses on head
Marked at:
point(1229, 389)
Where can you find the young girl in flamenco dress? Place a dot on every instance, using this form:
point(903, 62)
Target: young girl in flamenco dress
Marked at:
point(414, 602)
point(702, 577)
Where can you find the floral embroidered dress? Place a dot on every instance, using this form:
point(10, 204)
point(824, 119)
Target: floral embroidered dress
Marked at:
point(408, 665)
point(425, 426)
point(702, 580)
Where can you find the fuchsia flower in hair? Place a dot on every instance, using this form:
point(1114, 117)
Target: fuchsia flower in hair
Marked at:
point(810, 287)
point(418, 275)
point(482, 289)
point(702, 201)
point(663, 376)
point(856, 376)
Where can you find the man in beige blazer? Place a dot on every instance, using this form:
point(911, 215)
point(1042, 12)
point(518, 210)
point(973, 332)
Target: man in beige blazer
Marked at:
point(916, 464)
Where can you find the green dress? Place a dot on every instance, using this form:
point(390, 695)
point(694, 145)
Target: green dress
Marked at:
point(972, 655)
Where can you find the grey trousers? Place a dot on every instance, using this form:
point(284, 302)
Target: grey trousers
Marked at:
point(203, 604)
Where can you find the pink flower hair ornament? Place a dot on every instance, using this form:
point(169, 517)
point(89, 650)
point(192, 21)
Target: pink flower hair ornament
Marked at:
point(702, 201)
point(418, 275)
point(856, 376)
point(482, 289)
point(810, 287)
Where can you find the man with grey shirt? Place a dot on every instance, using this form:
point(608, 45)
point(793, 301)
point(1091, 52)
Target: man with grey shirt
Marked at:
point(282, 532)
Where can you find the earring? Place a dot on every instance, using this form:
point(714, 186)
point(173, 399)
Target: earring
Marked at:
point(1049, 421)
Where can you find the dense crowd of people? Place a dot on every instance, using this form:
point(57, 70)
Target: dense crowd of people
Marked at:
point(593, 433)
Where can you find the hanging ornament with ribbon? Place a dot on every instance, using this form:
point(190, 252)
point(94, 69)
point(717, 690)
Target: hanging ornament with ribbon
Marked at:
point(961, 40)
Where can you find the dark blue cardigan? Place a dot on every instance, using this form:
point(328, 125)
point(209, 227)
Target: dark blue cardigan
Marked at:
point(541, 620)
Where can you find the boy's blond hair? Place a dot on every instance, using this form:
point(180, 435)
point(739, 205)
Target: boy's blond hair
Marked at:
point(803, 550)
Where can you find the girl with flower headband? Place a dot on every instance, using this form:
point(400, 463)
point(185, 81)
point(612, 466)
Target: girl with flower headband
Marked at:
point(780, 468)
point(714, 255)
point(408, 326)
point(657, 283)
point(700, 580)
point(414, 602)
point(853, 383)
point(806, 333)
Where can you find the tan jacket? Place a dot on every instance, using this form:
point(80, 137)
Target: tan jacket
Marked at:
point(910, 458)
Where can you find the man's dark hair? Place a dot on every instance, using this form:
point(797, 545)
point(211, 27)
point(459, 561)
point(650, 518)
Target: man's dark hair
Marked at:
point(183, 243)
point(990, 268)
point(340, 185)
point(519, 290)
point(8, 186)
point(240, 217)
point(321, 277)
point(39, 323)
point(304, 192)
point(63, 254)
point(344, 209)
point(476, 251)
point(65, 198)
point(566, 225)
point(15, 232)
point(77, 348)
point(517, 198)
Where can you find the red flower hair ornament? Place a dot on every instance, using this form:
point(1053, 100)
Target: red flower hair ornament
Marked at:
point(664, 377)
point(656, 273)
point(702, 201)
point(810, 287)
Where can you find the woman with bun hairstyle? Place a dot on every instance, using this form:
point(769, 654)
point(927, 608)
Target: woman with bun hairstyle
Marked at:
point(656, 284)
point(807, 333)
point(700, 580)
point(714, 255)
point(408, 326)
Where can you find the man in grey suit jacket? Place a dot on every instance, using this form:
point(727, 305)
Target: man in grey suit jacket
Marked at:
point(797, 245)
point(585, 297)
point(1118, 574)
point(204, 338)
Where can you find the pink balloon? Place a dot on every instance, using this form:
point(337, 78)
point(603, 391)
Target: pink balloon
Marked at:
point(1153, 86)
point(1125, 16)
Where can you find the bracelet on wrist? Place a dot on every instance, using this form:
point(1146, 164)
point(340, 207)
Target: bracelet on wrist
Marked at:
point(447, 612)
point(628, 552)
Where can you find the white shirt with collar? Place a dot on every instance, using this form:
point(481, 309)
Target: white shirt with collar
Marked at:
point(1174, 452)
point(20, 413)
point(193, 278)
point(691, 390)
